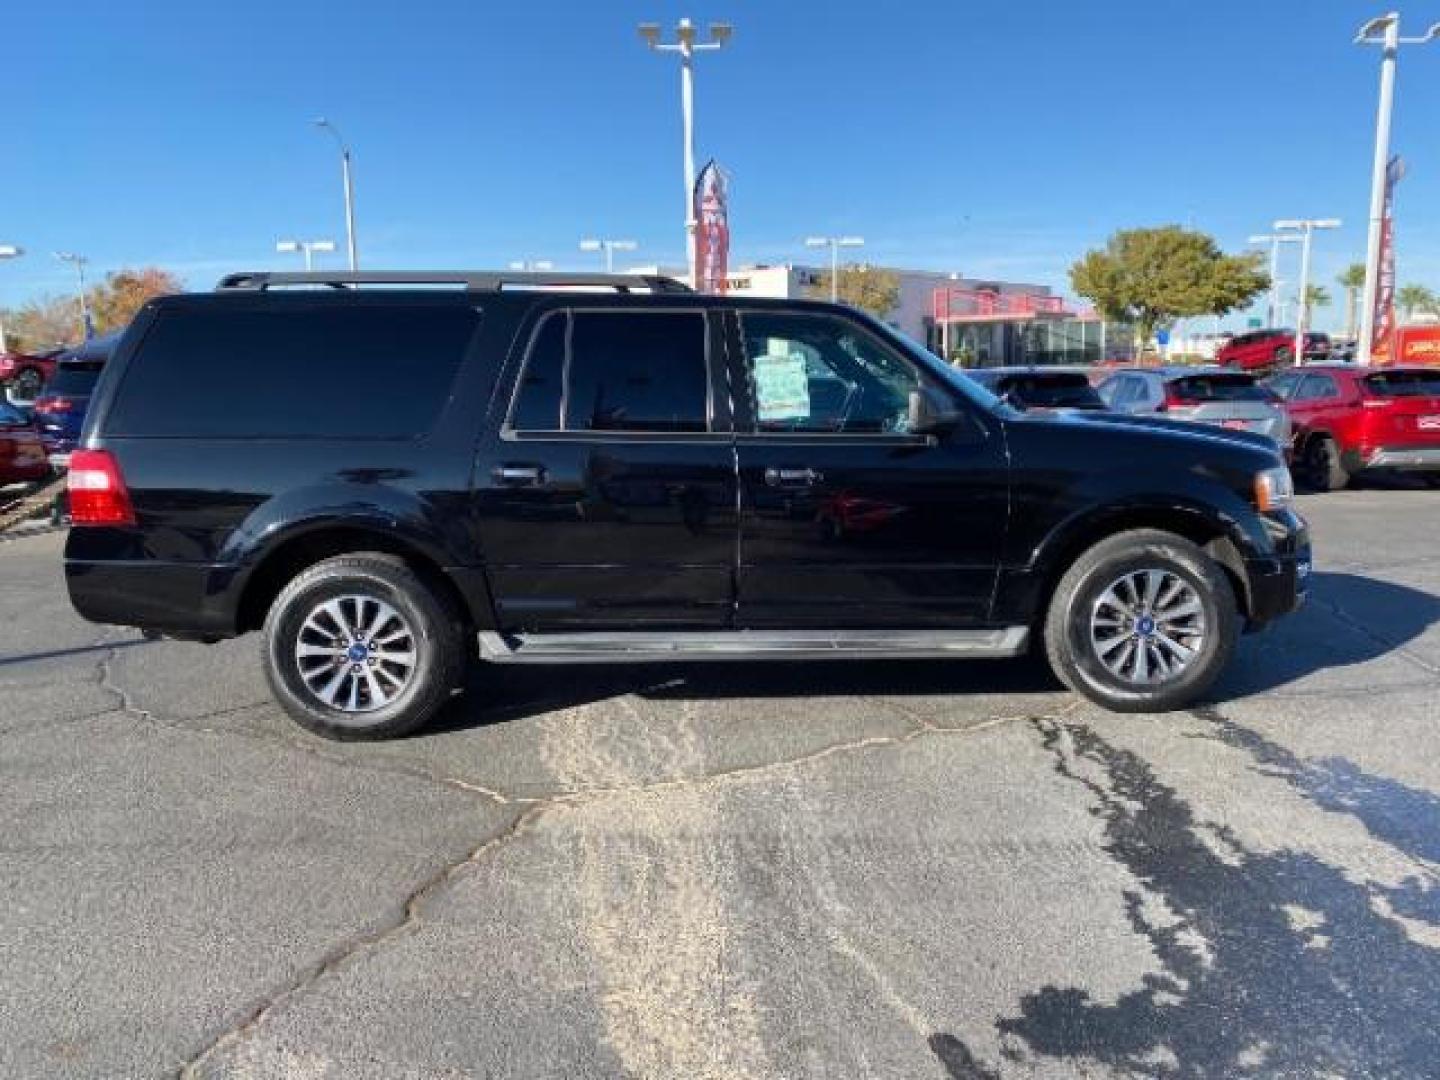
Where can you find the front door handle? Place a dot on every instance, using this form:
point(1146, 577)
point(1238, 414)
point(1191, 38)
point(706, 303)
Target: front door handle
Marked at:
point(519, 475)
point(791, 477)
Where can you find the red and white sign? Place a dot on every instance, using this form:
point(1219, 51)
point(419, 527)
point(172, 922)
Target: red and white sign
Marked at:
point(1382, 339)
point(712, 229)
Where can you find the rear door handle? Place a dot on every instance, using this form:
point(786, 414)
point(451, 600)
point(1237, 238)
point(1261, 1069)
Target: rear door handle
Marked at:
point(519, 475)
point(791, 477)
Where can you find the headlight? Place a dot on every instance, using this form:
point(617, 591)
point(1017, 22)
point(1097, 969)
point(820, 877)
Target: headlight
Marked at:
point(1274, 489)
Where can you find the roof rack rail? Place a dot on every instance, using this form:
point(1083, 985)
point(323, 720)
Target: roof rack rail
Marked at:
point(484, 281)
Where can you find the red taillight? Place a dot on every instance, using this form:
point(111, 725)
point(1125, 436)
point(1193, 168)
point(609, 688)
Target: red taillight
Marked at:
point(1173, 401)
point(53, 405)
point(97, 492)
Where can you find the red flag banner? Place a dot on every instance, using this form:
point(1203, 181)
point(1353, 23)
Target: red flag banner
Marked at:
point(1382, 341)
point(712, 229)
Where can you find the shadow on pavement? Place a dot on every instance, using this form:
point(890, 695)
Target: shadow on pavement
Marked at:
point(1380, 615)
point(1274, 963)
point(501, 693)
point(79, 650)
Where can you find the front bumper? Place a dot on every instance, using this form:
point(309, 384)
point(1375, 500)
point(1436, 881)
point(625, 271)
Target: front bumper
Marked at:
point(1277, 583)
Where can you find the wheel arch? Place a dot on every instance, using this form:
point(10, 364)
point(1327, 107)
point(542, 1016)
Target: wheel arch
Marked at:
point(1207, 532)
point(305, 547)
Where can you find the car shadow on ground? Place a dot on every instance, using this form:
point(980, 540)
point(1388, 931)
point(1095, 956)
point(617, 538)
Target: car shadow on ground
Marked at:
point(1379, 616)
point(499, 693)
point(1348, 620)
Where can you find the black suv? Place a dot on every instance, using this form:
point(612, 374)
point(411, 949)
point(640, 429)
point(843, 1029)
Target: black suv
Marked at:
point(560, 469)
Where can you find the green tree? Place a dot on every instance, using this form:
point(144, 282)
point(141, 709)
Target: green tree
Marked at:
point(1413, 299)
point(865, 287)
point(1151, 277)
point(1316, 296)
point(114, 302)
point(1352, 280)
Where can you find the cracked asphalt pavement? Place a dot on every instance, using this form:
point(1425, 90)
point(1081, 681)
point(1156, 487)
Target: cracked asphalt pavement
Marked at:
point(879, 869)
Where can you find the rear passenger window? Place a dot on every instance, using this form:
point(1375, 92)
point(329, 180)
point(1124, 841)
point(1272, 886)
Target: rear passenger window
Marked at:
point(353, 372)
point(615, 371)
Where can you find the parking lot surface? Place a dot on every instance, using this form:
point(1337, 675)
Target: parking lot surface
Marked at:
point(880, 869)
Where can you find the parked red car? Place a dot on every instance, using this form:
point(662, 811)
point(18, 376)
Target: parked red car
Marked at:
point(25, 375)
point(22, 454)
point(1347, 419)
point(1260, 350)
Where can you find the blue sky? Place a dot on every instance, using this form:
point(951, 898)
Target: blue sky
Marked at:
point(992, 139)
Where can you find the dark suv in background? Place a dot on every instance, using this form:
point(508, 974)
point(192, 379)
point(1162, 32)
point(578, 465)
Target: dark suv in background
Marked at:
point(600, 469)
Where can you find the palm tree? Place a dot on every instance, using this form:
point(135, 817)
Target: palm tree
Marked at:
point(1352, 280)
point(1316, 296)
point(1413, 298)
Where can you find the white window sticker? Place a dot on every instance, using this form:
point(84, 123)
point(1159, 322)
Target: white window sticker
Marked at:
point(782, 387)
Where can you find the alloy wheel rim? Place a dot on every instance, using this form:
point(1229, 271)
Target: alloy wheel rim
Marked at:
point(355, 653)
point(1148, 626)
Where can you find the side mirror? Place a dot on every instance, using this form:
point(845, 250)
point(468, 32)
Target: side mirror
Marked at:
point(931, 414)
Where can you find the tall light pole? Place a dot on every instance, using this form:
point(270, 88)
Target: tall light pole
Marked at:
point(1305, 227)
point(305, 247)
point(609, 247)
point(1272, 314)
point(1385, 32)
point(686, 45)
point(326, 125)
point(79, 261)
point(834, 243)
point(8, 251)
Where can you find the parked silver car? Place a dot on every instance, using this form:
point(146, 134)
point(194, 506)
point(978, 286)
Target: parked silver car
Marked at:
point(1207, 395)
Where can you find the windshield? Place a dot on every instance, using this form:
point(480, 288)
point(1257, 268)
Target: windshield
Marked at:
point(1404, 383)
point(1218, 388)
point(75, 379)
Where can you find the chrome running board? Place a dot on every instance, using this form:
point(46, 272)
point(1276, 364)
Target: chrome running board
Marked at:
point(649, 646)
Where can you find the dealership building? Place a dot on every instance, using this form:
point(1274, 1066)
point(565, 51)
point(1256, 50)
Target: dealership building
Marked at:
point(973, 321)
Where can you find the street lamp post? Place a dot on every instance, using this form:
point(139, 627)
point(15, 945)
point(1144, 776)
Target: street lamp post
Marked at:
point(1305, 227)
point(686, 45)
point(1385, 32)
point(834, 243)
point(609, 247)
point(1272, 315)
point(79, 261)
point(349, 190)
point(306, 248)
point(7, 251)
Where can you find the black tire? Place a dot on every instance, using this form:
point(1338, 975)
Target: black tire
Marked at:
point(1433, 479)
point(1069, 642)
point(27, 385)
point(1321, 467)
point(435, 641)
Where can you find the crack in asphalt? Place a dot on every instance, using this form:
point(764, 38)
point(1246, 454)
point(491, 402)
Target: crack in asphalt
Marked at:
point(410, 916)
point(1389, 644)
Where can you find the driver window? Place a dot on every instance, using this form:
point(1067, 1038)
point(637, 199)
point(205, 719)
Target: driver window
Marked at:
point(819, 373)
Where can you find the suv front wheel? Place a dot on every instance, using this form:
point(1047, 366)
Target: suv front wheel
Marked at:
point(1144, 621)
point(358, 647)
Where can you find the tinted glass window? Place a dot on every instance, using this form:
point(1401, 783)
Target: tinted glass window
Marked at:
point(1218, 388)
point(542, 386)
point(1315, 387)
point(636, 371)
point(74, 379)
point(373, 371)
point(1057, 391)
point(1404, 383)
point(821, 373)
point(1282, 386)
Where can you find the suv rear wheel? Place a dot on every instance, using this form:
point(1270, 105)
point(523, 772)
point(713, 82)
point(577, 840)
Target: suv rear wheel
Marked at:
point(1142, 622)
point(1321, 467)
point(358, 647)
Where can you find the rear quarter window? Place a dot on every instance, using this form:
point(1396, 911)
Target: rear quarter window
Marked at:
point(74, 379)
point(363, 372)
